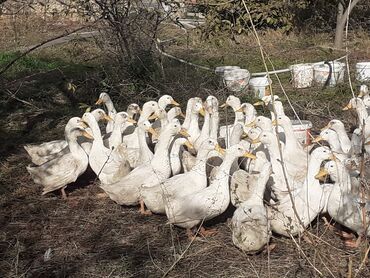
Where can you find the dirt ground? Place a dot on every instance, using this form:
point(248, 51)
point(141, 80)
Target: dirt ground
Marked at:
point(88, 235)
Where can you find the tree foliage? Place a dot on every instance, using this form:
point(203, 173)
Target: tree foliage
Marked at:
point(232, 16)
point(285, 15)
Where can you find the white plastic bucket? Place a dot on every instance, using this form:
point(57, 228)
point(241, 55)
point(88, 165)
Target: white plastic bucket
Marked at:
point(236, 80)
point(363, 71)
point(302, 75)
point(258, 85)
point(302, 131)
point(321, 73)
point(221, 70)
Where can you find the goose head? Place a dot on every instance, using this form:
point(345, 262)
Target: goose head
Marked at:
point(282, 120)
point(182, 142)
point(159, 114)
point(248, 109)
point(99, 114)
point(74, 123)
point(89, 119)
point(266, 100)
point(233, 102)
point(198, 108)
point(327, 134)
point(166, 100)
point(149, 108)
point(122, 118)
point(79, 131)
point(332, 169)
point(147, 127)
point(133, 109)
point(103, 98)
point(212, 104)
point(173, 128)
point(267, 138)
point(263, 123)
point(238, 150)
point(364, 91)
point(353, 104)
point(210, 145)
point(254, 133)
point(322, 153)
point(175, 112)
point(335, 125)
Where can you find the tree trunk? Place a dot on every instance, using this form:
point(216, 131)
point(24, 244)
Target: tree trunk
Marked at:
point(341, 21)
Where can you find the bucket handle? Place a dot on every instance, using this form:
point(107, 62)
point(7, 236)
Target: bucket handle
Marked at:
point(329, 76)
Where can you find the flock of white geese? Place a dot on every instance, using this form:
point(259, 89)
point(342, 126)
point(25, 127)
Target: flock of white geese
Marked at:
point(146, 156)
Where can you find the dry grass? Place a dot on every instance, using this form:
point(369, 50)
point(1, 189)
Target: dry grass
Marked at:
point(89, 235)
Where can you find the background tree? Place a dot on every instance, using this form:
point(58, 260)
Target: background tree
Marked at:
point(342, 15)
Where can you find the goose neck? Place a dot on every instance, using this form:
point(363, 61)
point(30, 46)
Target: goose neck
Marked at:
point(344, 140)
point(75, 148)
point(361, 112)
point(96, 131)
point(201, 161)
point(214, 125)
point(143, 145)
point(206, 126)
point(110, 107)
point(289, 135)
point(163, 146)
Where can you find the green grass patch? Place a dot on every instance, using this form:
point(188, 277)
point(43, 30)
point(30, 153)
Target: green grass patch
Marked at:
point(31, 64)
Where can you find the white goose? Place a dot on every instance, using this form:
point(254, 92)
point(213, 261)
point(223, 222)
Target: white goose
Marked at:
point(174, 112)
point(338, 127)
point(342, 206)
point(308, 198)
point(145, 155)
point(166, 100)
point(243, 183)
point(249, 224)
point(105, 99)
point(156, 196)
point(189, 107)
point(132, 140)
point(61, 171)
point(212, 102)
point(294, 154)
point(194, 130)
point(250, 113)
point(267, 101)
point(119, 126)
point(127, 190)
point(50, 150)
point(205, 132)
point(175, 154)
point(235, 104)
point(190, 210)
point(110, 165)
point(332, 138)
point(364, 122)
point(133, 110)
